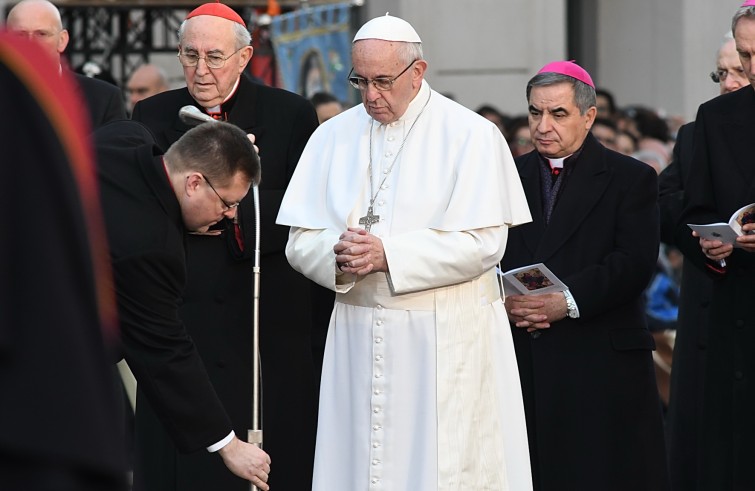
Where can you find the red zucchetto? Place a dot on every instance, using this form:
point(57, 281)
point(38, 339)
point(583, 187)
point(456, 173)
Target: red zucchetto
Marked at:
point(217, 9)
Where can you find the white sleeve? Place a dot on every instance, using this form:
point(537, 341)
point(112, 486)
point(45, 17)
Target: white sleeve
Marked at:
point(222, 443)
point(310, 252)
point(431, 258)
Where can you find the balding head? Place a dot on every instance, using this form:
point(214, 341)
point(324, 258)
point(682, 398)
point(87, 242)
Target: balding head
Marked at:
point(40, 21)
point(146, 81)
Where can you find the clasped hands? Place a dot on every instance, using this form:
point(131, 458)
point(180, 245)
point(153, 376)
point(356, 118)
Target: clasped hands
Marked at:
point(716, 250)
point(359, 252)
point(535, 312)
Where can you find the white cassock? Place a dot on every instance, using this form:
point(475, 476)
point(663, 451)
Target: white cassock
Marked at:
point(420, 388)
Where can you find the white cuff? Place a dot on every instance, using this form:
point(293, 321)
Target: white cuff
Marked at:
point(222, 443)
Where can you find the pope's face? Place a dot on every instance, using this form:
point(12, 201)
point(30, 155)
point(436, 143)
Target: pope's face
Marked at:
point(557, 127)
point(208, 35)
point(373, 58)
point(744, 37)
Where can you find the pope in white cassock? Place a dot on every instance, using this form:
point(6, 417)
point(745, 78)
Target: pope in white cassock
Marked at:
point(402, 206)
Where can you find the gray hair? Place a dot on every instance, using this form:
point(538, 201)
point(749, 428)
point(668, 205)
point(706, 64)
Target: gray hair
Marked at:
point(409, 52)
point(748, 12)
point(584, 95)
point(241, 33)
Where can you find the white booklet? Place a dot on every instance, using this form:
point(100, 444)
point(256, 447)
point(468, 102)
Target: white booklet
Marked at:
point(533, 279)
point(727, 232)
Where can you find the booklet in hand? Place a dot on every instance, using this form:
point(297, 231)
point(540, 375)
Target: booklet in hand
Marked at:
point(531, 280)
point(727, 232)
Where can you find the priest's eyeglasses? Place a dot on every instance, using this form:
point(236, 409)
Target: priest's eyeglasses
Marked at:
point(380, 83)
point(189, 58)
point(226, 206)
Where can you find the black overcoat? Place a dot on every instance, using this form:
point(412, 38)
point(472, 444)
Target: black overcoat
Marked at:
point(684, 414)
point(722, 179)
point(591, 401)
point(217, 307)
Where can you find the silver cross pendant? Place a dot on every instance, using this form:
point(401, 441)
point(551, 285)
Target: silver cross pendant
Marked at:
point(369, 219)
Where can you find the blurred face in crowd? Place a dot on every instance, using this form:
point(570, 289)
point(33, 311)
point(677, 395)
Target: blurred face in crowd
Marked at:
point(729, 69)
point(145, 82)
point(605, 135)
point(327, 110)
point(522, 142)
point(744, 36)
point(625, 144)
point(207, 35)
point(557, 127)
point(39, 20)
point(375, 58)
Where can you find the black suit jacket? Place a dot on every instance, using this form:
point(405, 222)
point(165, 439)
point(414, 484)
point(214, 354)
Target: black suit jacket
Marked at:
point(104, 101)
point(721, 180)
point(146, 236)
point(684, 414)
point(217, 306)
point(592, 407)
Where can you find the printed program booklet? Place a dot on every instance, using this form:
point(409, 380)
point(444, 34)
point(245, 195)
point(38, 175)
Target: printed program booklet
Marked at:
point(531, 280)
point(727, 232)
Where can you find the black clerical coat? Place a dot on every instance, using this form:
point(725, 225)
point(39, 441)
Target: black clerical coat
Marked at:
point(217, 306)
point(684, 414)
point(721, 180)
point(593, 413)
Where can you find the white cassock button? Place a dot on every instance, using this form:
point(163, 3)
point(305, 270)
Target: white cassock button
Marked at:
point(378, 375)
point(377, 392)
point(375, 462)
point(379, 307)
point(388, 154)
point(384, 186)
point(376, 410)
point(379, 322)
point(381, 202)
point(375, 481)
point(376, 427)
point(390, 138)
point(376, 445)
point(378, 340)
point(379, 358)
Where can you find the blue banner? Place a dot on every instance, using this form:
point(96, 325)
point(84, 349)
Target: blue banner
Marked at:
point(313, 50)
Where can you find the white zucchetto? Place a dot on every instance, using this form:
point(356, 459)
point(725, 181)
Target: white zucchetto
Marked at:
point(388, 28)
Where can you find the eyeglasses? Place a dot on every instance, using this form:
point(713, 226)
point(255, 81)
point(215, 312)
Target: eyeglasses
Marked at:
point(226, 206)
point(380, 83)
point(721, 74)
point(189, 59)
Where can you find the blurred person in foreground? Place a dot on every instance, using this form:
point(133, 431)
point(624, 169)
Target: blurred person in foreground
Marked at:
point(585, 355)
point(720, 181)
point(420, 388)
point(58, 416)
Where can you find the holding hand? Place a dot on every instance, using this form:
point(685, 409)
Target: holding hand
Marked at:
point(247, 461)
point(536, 311)
point(360, 253)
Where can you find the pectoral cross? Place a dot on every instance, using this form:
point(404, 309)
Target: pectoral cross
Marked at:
point(369, 219)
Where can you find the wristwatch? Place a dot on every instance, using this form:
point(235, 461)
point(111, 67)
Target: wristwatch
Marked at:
point(571, 306)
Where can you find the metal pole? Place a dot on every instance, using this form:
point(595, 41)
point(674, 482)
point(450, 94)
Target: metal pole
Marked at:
point(254, 435)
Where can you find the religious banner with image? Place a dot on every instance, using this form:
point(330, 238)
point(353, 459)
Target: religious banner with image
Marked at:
point(313, 49)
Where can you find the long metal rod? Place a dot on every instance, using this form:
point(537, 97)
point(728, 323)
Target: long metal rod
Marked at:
point(254, 435)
